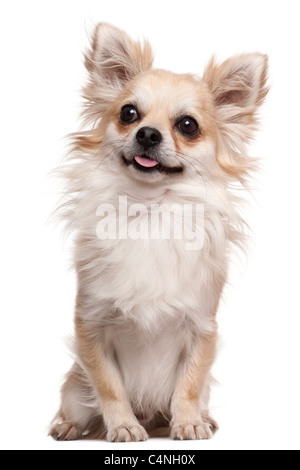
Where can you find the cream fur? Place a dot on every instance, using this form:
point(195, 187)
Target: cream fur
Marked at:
point(146, 309)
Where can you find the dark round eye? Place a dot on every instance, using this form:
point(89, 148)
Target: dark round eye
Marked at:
point(188, 126)
point(129, 114)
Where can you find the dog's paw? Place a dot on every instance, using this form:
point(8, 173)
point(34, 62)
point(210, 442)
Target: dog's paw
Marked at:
point(125, 433)
point(65, 431)
point(212, 423)
point(191, 432)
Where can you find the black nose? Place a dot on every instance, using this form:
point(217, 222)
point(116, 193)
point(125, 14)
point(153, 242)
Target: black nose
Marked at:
point(148, 137)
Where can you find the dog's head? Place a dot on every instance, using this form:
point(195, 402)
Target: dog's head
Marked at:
point(159, 126)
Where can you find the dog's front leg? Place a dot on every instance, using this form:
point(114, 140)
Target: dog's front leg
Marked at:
point(189, 421)
point(122, 425)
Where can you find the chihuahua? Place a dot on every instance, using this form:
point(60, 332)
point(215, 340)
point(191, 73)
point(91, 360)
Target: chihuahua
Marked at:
point(150, 204)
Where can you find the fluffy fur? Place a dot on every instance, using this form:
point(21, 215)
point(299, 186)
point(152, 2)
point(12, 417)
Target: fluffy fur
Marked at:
point(145, 316)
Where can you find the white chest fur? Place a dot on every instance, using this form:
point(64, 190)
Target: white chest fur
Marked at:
point(148, 279)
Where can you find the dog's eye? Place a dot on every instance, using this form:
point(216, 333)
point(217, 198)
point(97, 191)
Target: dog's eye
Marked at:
point(188, 126)
point(129, 114)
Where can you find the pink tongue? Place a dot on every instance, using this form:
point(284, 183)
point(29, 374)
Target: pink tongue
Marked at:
point(146, 162)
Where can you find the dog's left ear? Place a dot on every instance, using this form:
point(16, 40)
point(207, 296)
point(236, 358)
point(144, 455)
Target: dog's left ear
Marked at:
point(238, 87)
point(240, 81)
point(113, 59)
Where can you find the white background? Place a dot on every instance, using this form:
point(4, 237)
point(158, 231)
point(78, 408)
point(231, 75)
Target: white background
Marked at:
point(257, 401)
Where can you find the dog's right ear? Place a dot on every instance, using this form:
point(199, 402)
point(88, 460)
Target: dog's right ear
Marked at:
point(113, 59)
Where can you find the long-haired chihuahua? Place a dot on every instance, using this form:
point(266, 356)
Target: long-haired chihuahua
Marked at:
point(150, 205)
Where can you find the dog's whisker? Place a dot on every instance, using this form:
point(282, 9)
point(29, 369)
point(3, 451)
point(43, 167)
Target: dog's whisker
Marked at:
point(180, 154)
point(197, 171)
point(206, 182)
point(107, 155)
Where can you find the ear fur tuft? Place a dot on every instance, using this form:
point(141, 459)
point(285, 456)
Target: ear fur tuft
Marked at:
point(239, 81)
point(238, 87)
point(112, 60)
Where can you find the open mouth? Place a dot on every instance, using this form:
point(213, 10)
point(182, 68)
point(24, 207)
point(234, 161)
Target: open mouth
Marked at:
point(146, 164)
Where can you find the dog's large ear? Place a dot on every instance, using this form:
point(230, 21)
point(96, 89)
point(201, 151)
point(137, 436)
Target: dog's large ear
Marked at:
point(113, 59)
point(238, 87)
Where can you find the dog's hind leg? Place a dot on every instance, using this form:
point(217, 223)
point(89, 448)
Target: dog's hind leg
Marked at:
point(79, 407)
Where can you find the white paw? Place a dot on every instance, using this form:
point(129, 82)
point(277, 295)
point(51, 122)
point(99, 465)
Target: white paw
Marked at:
point(191, 431)
point(126, 433)
point(66, 431)
point(212, 423)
